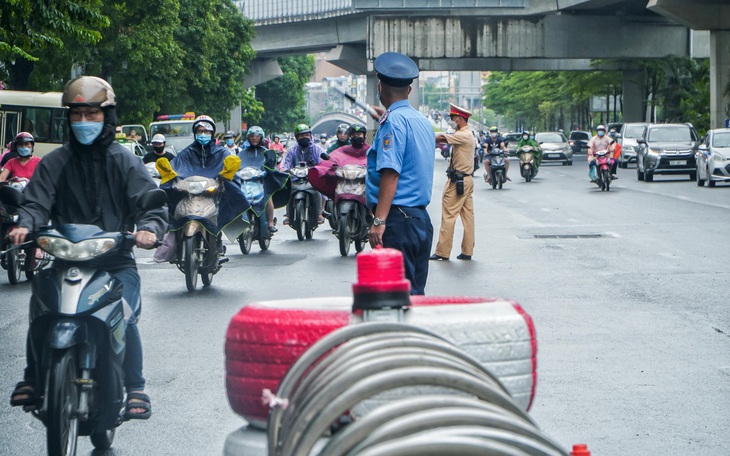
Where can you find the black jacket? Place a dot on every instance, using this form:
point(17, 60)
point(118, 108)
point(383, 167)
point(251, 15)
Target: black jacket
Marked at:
point(97, 186)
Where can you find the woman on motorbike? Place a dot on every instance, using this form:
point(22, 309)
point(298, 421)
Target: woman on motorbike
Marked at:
point(528, 140)
point(25, 163)
point(276, 183)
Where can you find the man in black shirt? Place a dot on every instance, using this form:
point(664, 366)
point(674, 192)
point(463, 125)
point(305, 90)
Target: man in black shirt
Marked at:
point(158, 146)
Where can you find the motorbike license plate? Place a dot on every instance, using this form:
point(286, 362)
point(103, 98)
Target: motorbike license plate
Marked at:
point(677, 162)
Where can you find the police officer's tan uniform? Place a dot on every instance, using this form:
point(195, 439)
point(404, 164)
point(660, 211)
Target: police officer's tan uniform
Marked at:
point(453, 205)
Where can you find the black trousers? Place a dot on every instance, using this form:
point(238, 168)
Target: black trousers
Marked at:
point(409, 230)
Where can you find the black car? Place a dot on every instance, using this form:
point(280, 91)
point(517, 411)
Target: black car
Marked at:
point(667, 149)
point(578, 141)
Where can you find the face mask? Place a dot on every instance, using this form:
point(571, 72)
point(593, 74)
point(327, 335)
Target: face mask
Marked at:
point(24, 151)
point(357, 141)
point(525, 137)
point(494, 135)
point(159, 149)
point(87, 132)
point(203, 138)
point(303, 142)
point(229, 142)
point(601, 133)
point(322, 140)
point(452, 124)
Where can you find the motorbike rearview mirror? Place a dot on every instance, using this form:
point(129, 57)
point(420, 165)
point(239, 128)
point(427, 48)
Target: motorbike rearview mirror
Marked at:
point(324, 156)
point(153, 199)
point(11, 196)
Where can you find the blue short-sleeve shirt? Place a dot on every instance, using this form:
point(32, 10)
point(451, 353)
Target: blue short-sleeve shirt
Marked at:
point(405, 143)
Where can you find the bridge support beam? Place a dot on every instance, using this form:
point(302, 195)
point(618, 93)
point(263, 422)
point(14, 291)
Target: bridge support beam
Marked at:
point(633, 96)
point(719, 77)
point(262, 71)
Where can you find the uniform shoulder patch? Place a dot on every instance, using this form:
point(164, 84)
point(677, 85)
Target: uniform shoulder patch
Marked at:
point(387, 141)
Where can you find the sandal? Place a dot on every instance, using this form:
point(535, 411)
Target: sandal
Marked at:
point(137, 400)
point(25, 389)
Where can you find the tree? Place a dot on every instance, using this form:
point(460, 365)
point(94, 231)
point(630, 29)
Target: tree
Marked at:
point(283, 97)
point(29, 27)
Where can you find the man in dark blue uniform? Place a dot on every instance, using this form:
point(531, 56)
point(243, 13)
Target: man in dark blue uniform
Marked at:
point(400, 170)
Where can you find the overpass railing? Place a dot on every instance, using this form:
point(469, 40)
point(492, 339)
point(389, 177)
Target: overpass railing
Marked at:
point(269, 12)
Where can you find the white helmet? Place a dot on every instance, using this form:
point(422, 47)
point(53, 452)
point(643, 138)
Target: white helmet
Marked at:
point(600, 127)
point(158, 138)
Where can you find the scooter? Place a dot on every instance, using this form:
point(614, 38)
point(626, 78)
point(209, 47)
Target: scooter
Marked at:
point(154, 174)
point(198, 250)
point(18, 262)
point(497, 167)
point(305, 203)
point(527, 163)
point(257, 229)
point(603, 169)
point(77, 327)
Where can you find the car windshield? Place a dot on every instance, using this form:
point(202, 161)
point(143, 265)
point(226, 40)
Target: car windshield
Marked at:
point(173, 129)
point(579, 135)
point(721, 139)
point(633, 131)
point(549, 138)
point(678, 134)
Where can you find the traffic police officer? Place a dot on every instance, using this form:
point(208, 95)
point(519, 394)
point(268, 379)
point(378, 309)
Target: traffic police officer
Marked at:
point(400, 170)
point(457, 200)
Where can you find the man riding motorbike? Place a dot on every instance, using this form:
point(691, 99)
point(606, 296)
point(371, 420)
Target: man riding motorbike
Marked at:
point(494, 140)
point(231, 146)
point(303, 151)
point(529, 140)
point(343, 137)
point(257, 156)
point(599, 142)
point(93, 180)
point(323, 176)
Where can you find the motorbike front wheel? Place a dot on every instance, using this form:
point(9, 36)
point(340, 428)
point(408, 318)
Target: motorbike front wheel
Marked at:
point(300, 216)
point(245, 240)
point(15, 267)
point(62, 425)
point(606, 175)
point(191, 261)
point(343, 233)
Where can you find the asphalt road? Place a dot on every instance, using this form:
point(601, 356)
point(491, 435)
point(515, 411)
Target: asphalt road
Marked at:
point(626, 290)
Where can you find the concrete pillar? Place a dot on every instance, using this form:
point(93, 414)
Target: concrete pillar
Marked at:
point(719, 77)
point(633, 96)
point(372, 99)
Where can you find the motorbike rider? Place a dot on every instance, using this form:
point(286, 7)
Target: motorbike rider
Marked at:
point(257, 156)
point(93, 180)
point(343, 137)
point(600, 141)
point(323, 140)
point(158, 150)
point(616, 151)
point(279, 148)
point(528, 139)
point(322, 176)
point(25, 163)
point(230, 143)
point(494, 140)
point(303, 151)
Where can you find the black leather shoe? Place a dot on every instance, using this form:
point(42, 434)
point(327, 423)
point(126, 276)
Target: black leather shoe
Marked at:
point(438, 258)
point(463, 257)
point(273, 229)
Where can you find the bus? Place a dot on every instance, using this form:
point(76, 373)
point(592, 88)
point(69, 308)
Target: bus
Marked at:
point(39, 113)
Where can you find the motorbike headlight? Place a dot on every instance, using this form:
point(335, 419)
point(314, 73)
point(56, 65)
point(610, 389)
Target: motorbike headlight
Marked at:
point(351, 172)
point(83, 251)
point(300, 172)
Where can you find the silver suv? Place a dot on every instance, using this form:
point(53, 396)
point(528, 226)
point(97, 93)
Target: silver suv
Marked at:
point(630, 132)
point(667, 149)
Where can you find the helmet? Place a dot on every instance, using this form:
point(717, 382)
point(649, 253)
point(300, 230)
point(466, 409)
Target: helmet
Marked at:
point(229, 134)
point(342, 128)
point(493, 129)
point(255, 131)
point(158, 138)
point(526, 132)
point(357, 128)
point(88, 91)
point(600, 127)
point(24, 136)
point(323, 135)
point(301, 129)
point(206, 122)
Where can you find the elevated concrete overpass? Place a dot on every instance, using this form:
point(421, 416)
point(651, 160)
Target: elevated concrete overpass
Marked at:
point(484, 35)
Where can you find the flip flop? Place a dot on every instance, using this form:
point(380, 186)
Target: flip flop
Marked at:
point(138, 400)
point(26, 389)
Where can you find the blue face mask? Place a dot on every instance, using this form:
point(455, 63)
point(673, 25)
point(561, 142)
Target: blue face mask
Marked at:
point(87, 132)
point(601, 133)
point(229, 142)
point(203, 138)
point(24, 151)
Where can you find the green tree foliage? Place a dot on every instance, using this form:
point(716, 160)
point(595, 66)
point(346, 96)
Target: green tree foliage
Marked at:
point(29, 27)
point(283, 97)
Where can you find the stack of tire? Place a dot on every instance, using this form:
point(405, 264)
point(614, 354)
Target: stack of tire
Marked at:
point(264, 339)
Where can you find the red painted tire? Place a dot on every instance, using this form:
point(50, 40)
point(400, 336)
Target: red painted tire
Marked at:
point(264, 339)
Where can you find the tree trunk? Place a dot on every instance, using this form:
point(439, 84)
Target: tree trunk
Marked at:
point(20, 74)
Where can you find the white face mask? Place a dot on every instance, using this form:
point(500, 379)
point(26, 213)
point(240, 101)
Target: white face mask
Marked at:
point(452, 124)
point(494, 135)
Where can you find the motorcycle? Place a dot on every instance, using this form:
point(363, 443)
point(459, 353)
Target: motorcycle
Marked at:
point(527, 162)
point(252, 186)
point(603, 169)
point(497, 167)
point(77, 327)
point(18, 262)
point(445, 150)
point(198, 249)
point(305, 203)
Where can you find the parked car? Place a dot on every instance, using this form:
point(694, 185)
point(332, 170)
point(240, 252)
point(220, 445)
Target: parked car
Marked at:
point(667, 149)
point(578, 141)
point(713, 158)
point(133, 147)
point(629, 133)
point(512, 139)
point(555, 147)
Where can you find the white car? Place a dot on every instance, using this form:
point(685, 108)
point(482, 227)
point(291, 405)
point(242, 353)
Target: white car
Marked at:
point(713, 158)
point(630, 132)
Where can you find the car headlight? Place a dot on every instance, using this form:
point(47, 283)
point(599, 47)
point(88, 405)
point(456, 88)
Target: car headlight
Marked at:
point(719, 157)
point(654, 152)
point(83, 251)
